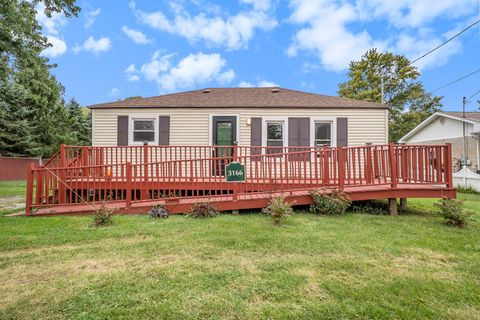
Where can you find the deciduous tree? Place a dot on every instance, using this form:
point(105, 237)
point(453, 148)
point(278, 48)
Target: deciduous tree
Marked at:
point(408, 102)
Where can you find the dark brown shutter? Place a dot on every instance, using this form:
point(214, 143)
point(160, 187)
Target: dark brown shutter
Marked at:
point(299, 132)
point(122, 131)
point(342, 132)
point(164, 130)
point(256, 135)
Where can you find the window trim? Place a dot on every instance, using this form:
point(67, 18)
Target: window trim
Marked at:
point(146, 117)
point(281, 119)
point(333, 128)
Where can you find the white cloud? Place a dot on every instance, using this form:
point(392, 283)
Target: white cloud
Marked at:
point(265, 83)
point(330, 29)
point(326, 33)
point(96, 46)
point(114, 92)
point(90, 18)
point(193, 70)
point(132, 73)
point(137, 36)
point(50, 25)
point(58, 48)
point(260, 83)
point(232, 32)
point(414, 14)
point(245, 84)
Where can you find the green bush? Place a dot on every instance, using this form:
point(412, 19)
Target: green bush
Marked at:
point(103, 217)
point(329, 202)
point(202, 210)
point(278, 209)
point(452, 211)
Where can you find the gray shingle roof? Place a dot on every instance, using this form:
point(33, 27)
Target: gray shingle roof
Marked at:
point(472, 116)
point(243, 98)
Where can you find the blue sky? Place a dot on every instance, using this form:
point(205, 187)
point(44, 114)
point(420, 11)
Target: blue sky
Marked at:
point(116, 49)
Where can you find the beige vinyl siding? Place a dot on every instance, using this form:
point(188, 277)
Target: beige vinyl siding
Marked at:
point(191, 126)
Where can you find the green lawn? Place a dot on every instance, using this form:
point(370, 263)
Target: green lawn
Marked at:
point(13, 188)
point(242, 267)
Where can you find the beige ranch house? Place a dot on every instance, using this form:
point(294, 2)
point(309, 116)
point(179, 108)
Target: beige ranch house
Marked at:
point(249, 116)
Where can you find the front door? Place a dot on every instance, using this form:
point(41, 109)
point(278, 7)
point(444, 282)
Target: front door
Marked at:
point(224, 133)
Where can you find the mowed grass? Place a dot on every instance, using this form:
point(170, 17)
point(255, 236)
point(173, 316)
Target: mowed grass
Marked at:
point(13, 188)
point(242, 267)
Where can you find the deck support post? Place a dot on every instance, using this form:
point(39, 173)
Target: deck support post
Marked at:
point(128, 184)
point(369, 165)
point(29, 195)
point(392, 203)
point(403, 203)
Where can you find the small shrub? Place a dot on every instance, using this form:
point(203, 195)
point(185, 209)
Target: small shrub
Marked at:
point(103, 217)
point(203, 210)
point(158, 212)
point(335, 202)
point(452, 211)
point(278, 209)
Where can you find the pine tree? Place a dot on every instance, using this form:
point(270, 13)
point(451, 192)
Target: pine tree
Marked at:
point(15, 132)
point(80, 122)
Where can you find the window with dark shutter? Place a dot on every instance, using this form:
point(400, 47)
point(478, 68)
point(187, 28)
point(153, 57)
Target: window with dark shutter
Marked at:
point(164, 130)
point(256, 135)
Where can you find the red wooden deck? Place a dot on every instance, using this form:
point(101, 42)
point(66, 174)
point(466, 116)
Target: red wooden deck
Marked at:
point(133, 179)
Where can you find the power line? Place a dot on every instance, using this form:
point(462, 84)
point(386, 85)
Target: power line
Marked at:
point(455, 81)
point(473, 95)
point(441, 45)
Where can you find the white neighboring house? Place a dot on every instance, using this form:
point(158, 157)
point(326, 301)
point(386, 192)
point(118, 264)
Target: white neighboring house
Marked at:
point(447, 127)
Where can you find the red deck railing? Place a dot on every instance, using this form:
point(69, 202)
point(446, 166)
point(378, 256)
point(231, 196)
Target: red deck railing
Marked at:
point(80, 175)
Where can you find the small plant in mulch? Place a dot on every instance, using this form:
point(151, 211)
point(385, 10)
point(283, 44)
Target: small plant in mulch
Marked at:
point(278, 209)
point(453, 212)
point(103, 217)
point(202, 210)
point(329, 201)
point(158, 211)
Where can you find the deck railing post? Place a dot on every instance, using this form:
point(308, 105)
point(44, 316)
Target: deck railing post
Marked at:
point(62, 191)
point(341, 167)
point(144, 192)
point(235, 158)
point(85, 156)
point(128, 184)
point(393, 165)
point(369, 166)
point(39, 187)
point(448, 165)
point(63, 156)
point(29, 195)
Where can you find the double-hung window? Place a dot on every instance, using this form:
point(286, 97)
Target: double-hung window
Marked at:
point(275, 136)
point(143, 130)
point(323, 134)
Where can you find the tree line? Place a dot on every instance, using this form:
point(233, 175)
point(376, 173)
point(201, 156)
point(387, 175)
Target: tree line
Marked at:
point(34, 116)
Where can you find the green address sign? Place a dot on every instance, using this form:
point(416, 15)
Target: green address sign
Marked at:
point(235, 172)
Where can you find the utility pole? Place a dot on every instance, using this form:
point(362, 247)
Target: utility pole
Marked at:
point(382, 89)
point(464, 167)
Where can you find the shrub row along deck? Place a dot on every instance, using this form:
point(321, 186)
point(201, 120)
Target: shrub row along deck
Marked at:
point(134, 178)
